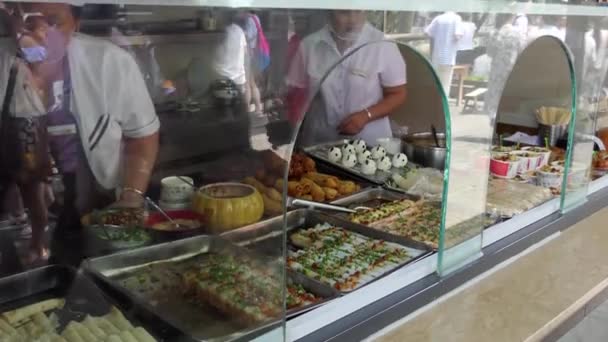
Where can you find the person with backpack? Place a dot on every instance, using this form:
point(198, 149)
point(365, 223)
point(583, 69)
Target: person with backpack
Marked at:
point(259, 57)
point(98, 119)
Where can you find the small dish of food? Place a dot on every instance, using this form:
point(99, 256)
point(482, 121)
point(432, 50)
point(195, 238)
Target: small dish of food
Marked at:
point(578, 174)
point(115, 229)
point(529, 161)
point(188, 223)
point(115, 217)
point(121, 237)
point(503, 149)
point(504, 165)
point(545, 154)
point(550, 177)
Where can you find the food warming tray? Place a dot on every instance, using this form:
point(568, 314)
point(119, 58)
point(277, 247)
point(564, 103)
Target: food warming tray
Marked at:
point(264, 236)
point(82, 298)
point(320, 152)
point(203, 323)
point(373, 198)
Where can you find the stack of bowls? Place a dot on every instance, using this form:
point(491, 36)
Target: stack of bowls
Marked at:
point(176, 193)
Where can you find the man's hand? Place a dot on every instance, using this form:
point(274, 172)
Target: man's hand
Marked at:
point(129, 200)
point(354, 123)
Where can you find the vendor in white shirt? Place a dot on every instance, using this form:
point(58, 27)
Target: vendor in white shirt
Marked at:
point(445, 31)
point(361, 91)
point(103, 129)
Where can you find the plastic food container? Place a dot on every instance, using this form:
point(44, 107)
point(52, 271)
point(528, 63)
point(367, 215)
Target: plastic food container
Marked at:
point(544, 153)
point(503, 165)
point(502, 149)
point(578, 174)
point(529, 161)
point(548, 179)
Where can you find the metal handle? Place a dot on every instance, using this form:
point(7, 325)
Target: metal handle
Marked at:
point(295, 202)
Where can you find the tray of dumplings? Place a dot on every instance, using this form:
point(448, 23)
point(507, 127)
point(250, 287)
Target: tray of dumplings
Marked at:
point(373, 164)
point(58, 304)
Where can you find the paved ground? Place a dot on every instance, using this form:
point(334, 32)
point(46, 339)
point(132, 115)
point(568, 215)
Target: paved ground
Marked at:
point(591, 329)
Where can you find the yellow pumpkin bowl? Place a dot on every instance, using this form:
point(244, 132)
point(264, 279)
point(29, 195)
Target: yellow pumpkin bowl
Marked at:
point(227, 206)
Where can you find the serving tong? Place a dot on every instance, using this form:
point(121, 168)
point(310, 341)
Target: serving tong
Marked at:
point(160, 210)
point(296, 202)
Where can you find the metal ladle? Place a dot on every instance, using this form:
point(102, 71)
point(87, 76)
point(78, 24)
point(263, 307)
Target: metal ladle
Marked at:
point(434, 131)
point(160, 210)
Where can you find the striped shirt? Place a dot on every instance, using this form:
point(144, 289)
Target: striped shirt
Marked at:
point(445, 30)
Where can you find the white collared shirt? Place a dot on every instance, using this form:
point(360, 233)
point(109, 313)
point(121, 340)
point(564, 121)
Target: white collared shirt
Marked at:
point(110, 101)
point(108, 88)
point(466, 43)
point(353, 84)
point(446, 30)
point(229, 58)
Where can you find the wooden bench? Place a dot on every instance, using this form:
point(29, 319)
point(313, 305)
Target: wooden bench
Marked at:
point(474, 96)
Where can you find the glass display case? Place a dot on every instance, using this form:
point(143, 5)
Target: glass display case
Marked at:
point(233, 170)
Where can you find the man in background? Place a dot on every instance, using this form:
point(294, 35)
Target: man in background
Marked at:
point(445, 32)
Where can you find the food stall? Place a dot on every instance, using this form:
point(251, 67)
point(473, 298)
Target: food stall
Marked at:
point(255, 226)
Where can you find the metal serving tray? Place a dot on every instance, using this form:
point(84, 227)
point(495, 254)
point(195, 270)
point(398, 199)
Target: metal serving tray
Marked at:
point(373, 198)
point(82, 298)
point(203, 323)
point(10, 230)
point(320, 151)
point(345, 176)
point(264, 236)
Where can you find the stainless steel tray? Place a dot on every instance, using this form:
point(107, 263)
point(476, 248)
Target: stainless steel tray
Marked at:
point(372, 198)
point(264, 236)
point(345, 176)
point(320, 151)
point(10, 230)
point(328, 293)
point(82, 298)
point(202, 323)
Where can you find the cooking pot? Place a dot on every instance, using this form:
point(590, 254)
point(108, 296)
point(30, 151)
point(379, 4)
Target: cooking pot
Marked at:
point(421, 149)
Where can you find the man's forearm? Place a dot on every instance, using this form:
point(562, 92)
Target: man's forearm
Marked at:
point(140, 157)
point(392, 99)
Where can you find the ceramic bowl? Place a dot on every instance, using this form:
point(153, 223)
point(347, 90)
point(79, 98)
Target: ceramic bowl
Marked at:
point(176, 189)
